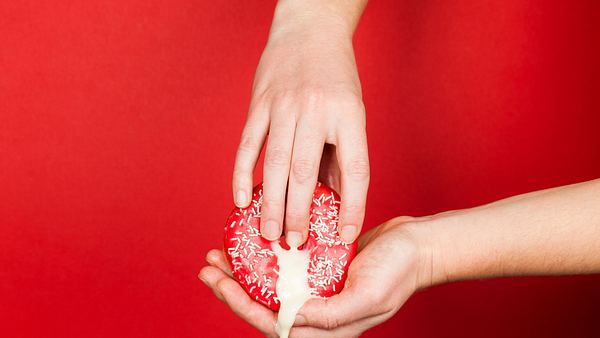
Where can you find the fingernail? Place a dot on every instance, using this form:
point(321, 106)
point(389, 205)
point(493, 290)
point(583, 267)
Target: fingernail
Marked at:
point(271, 230)
point(293, 239)
point(348, 233)
point(240, 199)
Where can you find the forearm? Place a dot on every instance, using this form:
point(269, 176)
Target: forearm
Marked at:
point(333, 16)
point(554, 231)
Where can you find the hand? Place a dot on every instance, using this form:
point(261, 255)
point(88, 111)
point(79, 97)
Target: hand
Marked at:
point(217, 276)
point(306, 95)
point(389, 267)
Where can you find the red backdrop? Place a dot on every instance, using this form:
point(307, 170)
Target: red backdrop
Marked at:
point(119, 122)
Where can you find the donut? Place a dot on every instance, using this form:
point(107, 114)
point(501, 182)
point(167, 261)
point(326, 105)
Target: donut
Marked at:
point(254, 261)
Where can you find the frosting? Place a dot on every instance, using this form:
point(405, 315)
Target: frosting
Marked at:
point(292, 285)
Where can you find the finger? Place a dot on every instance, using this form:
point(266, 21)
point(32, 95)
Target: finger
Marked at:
point(250, 311)
point(306, 156)
point(351, 330)
point(354, 329)
point(211, 275)
point(349, 306)
point(251, 143)
point(354, 165)
point(311, 332)
point(276, 173)
point(217, 258)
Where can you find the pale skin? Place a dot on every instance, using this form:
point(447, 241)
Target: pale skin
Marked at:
point(307, 104)
point(548, 232)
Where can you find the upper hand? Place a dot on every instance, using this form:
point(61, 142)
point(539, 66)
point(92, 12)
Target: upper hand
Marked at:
point(306, 94)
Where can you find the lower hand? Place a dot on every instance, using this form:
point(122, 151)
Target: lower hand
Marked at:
point(390, 266)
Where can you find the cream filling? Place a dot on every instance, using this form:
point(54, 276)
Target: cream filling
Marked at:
point(292, 285)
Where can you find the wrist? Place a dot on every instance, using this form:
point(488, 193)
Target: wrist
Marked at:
point(432, 256)
point(312, 18)
point(455, 248)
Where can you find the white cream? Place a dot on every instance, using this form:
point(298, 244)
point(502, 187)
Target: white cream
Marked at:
point(292, 285)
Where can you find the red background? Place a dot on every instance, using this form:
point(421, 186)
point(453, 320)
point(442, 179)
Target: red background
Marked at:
point(119, 122)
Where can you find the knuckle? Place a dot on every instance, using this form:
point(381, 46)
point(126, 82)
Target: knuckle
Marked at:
point(292, 97)
point(261, 95)
point(354, 103)
point(247, 143)
point(276, 157)
point(305, 97)
point(285, 99)
point(303, 170)
point(294, 218)
point(358, 169)
point(258, 108)
point(352, 209)
point(269, 203)
point(350, 100)
point(331, 322)
point(313, 95)
point(240, 174)
point(221, 284)
point(242, 179)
